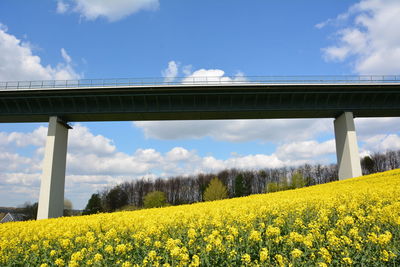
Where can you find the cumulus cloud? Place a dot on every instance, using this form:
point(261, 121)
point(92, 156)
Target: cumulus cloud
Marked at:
point(170, 72)
point(257, 161)
point(111, 10)
point(370, 39)
point(212, 76)
point(209, 76)
point(377, 134)
point(381, 142)
point(276, 130)
point(35, 138)
point(306, 149)
point(18, 62)
point(93, 162)
point(367, 127)
point(62, 7)
point(82, 141)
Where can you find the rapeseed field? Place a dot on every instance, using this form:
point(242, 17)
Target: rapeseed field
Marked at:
point(351, 222)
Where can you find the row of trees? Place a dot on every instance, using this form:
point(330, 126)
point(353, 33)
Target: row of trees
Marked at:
point(380, 162)
point(30, 210)
point(189, 189)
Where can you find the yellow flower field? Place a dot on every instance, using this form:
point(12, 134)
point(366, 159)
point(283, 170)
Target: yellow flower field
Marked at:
point(351, 222)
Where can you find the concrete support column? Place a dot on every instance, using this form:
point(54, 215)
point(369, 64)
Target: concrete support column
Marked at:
point(348, 158)
point(51, 198)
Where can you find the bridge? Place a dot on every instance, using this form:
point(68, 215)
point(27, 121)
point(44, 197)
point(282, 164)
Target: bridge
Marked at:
point(196, 98)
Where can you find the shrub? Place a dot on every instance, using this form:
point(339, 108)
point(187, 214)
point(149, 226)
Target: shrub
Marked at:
point(154, 199)
point(216, 190)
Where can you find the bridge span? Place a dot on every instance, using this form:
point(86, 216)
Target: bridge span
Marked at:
point(199, 98)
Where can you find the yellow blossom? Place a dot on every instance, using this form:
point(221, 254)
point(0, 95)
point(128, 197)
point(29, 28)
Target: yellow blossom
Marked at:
point(347, 260)
point(109, 249)
point(98, 257)
point(255, 236)
point(59, 262)
point(296, 253)
point(246, 259)
point(264, 255)
point(126, 264)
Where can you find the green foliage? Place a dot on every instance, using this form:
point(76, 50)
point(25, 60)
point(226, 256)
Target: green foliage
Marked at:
point(368, 164)
point(116, 198)
point(239, 187)
point(30, 210)
point(298, 181)
point(242, 186)
point(94, 205)
point(283, 184)
point(272, 187)
point(154, 199)
point(215, 190)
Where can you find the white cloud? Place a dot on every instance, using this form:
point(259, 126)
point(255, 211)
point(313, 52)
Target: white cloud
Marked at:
point(35, 138)
point(82, 141)
point(257, 161)
point(306, 150)
point(18, 62)
point(111, 10)
point(381, 143)
point(212, 76)
point(62, 7)
point(377, 134)
point(187, 70)
point(179, 153)
point(22, 179)
point(13, 162)
point(276, 130)
point(209, 76)
point(65, 56)
point(371, 40)
point(170, 72)
point(93, 162)
point(367, 127)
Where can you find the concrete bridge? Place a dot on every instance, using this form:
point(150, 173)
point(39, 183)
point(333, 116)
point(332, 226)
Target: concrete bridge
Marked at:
point(200, 98)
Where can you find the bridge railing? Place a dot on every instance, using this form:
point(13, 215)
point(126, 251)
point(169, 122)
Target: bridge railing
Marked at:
point(197, 80)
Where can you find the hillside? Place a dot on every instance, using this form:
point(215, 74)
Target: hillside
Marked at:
point(356, 221)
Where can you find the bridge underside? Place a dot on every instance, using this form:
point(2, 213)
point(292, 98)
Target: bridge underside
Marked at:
point(200, 103)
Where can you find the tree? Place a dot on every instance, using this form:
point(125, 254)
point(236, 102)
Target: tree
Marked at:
point(239, 186)
point(116, 198)
point(297, 181)
point(368, 164)
point(154, 199)
point(30, 210)
point(215, 190)
point(283, 183)
point(94, 205)
point(272, 187)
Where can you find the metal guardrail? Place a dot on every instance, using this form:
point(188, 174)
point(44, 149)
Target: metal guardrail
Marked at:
point(132, 82)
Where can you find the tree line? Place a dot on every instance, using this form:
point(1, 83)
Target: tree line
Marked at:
point(146, 193)
point(189, 189)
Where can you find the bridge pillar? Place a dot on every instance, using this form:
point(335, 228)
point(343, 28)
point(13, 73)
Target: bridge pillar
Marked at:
point(51, 198)
point(348, 158)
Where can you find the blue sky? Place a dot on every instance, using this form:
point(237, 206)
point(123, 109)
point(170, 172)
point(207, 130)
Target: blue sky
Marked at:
point(75, 39)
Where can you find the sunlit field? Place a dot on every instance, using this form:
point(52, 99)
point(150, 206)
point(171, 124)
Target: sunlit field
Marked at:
point(351, 222)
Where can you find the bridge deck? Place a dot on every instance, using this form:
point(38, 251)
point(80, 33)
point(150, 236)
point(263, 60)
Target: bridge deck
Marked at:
point(200, 101)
